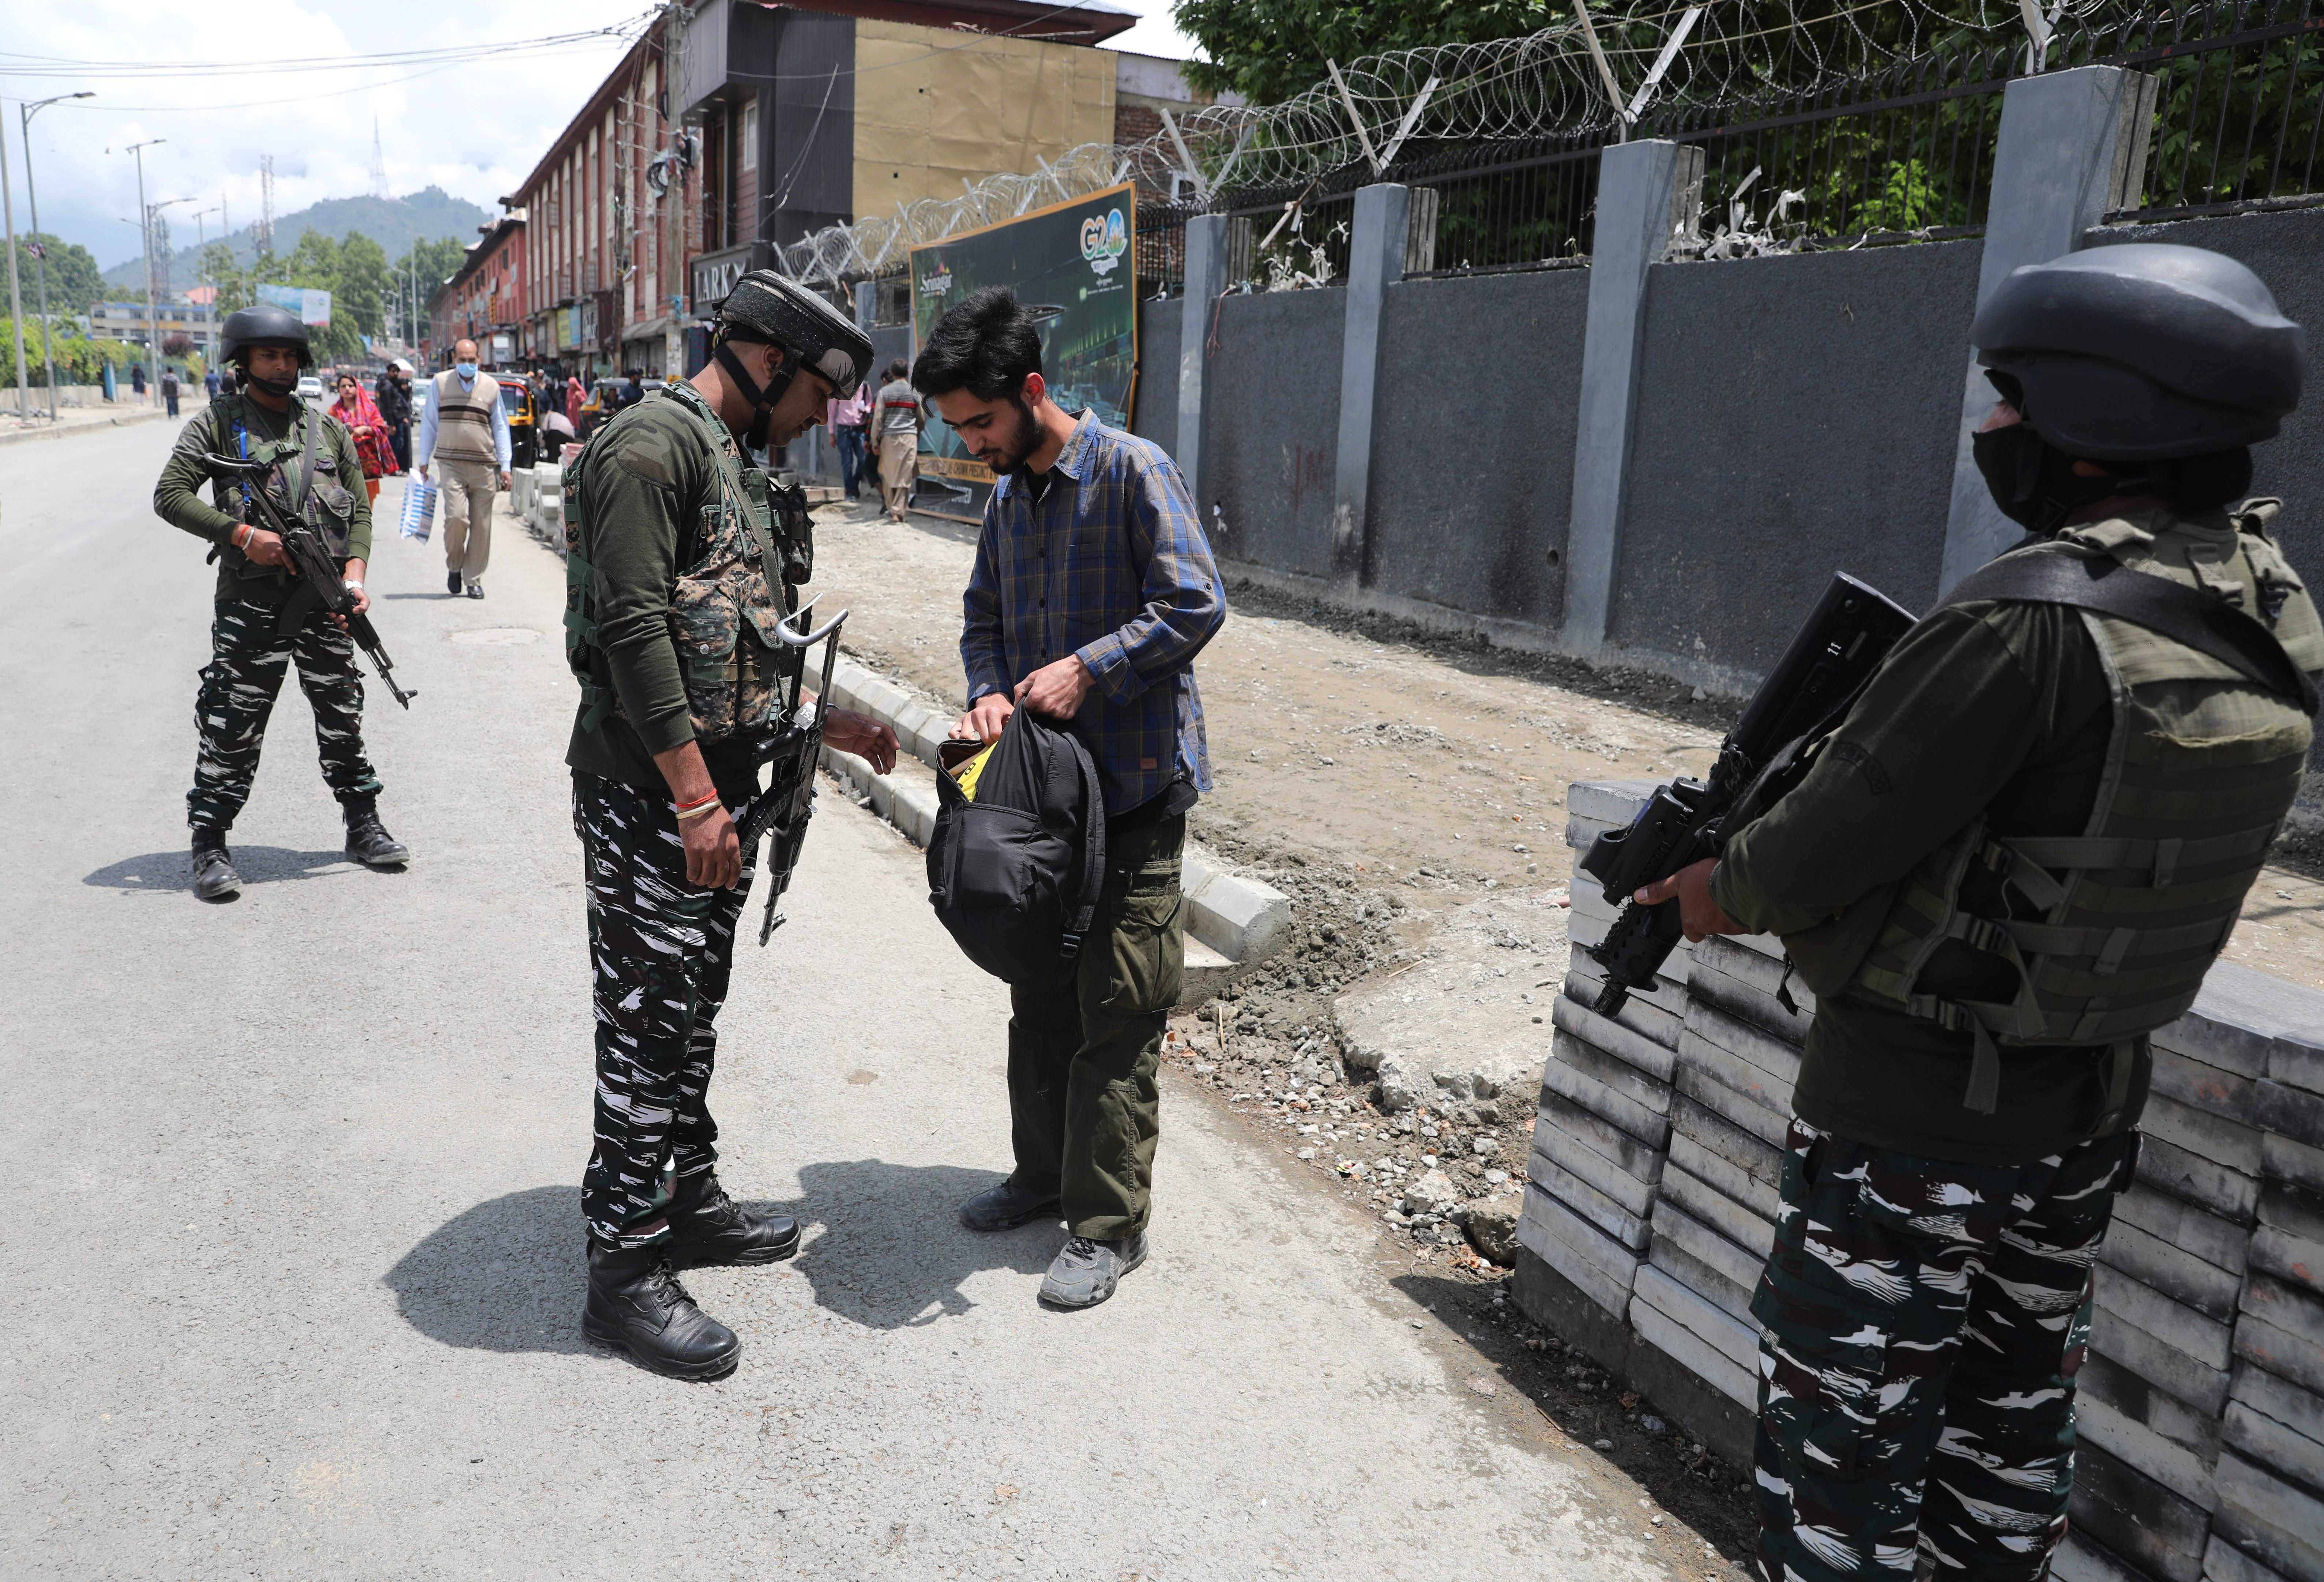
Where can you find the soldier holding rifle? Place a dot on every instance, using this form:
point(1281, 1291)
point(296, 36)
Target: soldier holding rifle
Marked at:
point(2011, 861)
point(316, 471)
point(683, 563)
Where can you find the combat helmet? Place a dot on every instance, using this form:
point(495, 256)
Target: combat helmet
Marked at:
point(764, 306)
point(263, 324)
point(2161, 363)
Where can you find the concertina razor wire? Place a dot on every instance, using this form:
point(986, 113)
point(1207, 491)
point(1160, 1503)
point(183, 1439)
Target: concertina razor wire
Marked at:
point(1573, 78)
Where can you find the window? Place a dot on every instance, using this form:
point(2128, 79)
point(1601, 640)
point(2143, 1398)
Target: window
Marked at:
point(747, 157)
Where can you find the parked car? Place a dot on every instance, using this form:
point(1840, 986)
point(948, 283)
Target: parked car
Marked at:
point(310, 390)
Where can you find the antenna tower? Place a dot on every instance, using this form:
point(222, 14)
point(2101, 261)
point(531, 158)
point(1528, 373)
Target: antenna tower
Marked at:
point(378, 162)
point(266, 203)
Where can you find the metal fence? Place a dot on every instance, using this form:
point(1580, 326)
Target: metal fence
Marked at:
point(2239, 102)
point(1159, 247)
point(1904, 156)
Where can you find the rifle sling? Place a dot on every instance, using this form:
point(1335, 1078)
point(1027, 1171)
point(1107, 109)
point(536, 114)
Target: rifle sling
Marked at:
point(2207, 625)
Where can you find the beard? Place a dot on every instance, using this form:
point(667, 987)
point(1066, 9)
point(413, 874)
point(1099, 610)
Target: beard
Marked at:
point(1010, 453)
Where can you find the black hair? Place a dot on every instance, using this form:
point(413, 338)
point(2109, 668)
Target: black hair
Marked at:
point(986, 345)
point(897, 368)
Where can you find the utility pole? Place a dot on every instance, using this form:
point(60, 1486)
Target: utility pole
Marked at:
point(16, 298)
point(41, 254)
point(201, 243)
point(145, 231)
point(155, 227)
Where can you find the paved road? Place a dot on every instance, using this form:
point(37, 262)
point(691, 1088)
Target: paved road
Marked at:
point(294, 1272)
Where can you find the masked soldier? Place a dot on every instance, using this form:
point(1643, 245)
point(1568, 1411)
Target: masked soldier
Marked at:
point(2014, 859)
point(265, 420)
point(681, 560)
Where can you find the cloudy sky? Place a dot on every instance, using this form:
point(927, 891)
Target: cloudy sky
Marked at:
point(172, 70)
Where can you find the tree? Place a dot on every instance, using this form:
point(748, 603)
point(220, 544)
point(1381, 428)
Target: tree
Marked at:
point(1267, 51)
point(177, 343)
point(74, 279)
point(431, 264)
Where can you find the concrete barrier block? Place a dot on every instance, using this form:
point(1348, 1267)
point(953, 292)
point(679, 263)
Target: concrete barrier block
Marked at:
point(1242, 917)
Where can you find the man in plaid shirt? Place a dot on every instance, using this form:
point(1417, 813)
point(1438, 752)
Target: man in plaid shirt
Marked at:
point(1094, 591)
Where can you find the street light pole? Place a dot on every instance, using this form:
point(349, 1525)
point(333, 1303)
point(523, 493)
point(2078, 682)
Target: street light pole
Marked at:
point(40, 258)
point(16, 298)
point(202, 240)
point(145, 216)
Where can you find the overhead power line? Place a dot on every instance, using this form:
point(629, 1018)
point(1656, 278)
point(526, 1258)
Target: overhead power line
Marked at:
point(15, 63)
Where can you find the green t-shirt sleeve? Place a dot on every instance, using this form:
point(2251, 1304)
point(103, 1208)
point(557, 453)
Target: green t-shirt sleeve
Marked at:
point(178, 496)
point(636, 487)
point(1951, 716)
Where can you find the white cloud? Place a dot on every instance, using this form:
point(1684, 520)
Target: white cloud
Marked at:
point(474, 129)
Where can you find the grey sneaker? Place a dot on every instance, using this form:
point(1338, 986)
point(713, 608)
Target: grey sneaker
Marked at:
point(1085, 1273)
point(1006, 1207)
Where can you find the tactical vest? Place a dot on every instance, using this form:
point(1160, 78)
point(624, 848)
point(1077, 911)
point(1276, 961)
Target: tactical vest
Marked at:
point(2110, 933)
point(752, 546)
point(328, 507)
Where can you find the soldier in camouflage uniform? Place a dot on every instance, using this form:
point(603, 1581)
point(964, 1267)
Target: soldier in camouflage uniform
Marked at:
point(680, 561)
point(249, 652)
point(2014, 859)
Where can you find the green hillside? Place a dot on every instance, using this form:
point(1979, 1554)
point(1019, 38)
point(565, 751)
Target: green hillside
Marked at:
point(394, 223)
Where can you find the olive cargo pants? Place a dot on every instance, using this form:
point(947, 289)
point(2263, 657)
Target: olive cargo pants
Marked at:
point(1924, 1323)
point(1084, 1046)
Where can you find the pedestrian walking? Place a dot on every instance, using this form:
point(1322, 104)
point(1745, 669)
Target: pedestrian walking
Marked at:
point(137, 379)
point(249, 648)
point(662, 748)
point(169, 390)
point(2022, 849)
point(210, 384)
point(576, 397)
point(634, 391)
point(846, 420)
point(394, 402)
point(465, 434)
point(901, 420)
point(1142, 595)
point(362, 418)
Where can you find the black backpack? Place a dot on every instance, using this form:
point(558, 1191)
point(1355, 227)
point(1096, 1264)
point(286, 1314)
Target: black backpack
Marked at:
point(1015, 874)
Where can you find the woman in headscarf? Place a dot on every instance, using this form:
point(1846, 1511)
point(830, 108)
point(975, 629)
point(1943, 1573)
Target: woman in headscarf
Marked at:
point(373, 448)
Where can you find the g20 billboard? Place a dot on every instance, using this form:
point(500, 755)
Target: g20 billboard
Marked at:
point(1072, 266)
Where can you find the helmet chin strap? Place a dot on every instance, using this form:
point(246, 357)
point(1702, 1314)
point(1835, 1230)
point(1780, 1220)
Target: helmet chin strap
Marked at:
point(762, 400)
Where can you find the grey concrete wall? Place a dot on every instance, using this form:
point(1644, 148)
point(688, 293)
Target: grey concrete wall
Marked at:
point(1154, 406)
point(1796, 416)
point(1270, 429)
point(2287, 251)
point(1472, 458)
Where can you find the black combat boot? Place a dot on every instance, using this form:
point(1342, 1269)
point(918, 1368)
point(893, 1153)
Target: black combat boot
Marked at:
point(636, 1305)
point(368, 841)
point(214, 875)
point(707, 1227)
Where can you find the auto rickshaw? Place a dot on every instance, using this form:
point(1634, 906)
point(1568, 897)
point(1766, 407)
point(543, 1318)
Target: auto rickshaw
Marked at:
point(523, 419)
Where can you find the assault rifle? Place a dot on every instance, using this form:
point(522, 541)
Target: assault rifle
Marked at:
point(1828, 664)
point(793, 751)
point(320, 581)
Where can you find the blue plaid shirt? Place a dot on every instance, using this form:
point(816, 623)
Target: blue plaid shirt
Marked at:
point(1112, 568)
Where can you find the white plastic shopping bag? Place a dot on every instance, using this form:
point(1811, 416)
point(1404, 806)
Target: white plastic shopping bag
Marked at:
point(419, 508)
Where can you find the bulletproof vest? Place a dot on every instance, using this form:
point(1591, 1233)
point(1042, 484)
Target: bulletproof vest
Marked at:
point(328, 507)
point(751, 546)
point(2109, 932)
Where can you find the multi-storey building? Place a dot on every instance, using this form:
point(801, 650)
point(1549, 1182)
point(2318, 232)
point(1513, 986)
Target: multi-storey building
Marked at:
point(740, 126)
point(485, 300)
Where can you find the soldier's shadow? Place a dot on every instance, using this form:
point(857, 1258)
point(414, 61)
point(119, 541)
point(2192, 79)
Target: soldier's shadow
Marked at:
point(887, 1251)
point(166, 871)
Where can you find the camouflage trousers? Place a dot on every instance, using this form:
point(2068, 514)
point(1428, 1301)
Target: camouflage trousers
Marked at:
point(660, 951)
point(1923, 1323)
point(239, 685)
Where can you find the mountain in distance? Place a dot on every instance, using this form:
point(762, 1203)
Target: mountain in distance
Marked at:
point(394, 223)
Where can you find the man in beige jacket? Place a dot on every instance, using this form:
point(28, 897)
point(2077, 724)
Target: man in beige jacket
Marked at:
point(465, 435)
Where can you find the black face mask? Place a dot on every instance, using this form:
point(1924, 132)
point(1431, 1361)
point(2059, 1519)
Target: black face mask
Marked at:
point(278, 391)
point(2034, 483)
